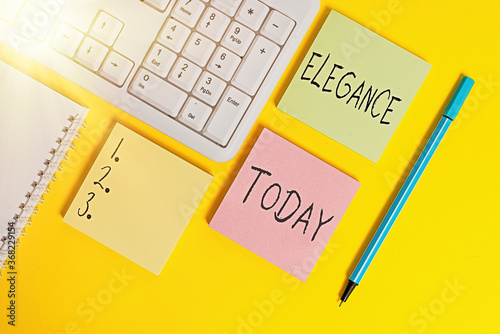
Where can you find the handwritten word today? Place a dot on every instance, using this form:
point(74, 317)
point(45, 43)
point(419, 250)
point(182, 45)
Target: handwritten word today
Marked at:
point(290, 206)
point(364, 96)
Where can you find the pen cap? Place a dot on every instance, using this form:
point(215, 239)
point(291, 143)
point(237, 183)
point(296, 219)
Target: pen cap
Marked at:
point(458, 98)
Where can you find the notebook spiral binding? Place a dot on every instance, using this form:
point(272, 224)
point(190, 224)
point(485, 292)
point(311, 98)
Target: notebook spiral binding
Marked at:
point(41, 186)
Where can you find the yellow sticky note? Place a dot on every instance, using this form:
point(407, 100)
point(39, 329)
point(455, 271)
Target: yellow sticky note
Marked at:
point(354, 86)
point(137, 199)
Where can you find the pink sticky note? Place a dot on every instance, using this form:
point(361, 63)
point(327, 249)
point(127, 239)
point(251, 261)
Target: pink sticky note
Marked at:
point(284, 204)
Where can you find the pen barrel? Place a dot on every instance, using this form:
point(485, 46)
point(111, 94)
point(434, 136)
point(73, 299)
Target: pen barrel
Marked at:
point(401, 199)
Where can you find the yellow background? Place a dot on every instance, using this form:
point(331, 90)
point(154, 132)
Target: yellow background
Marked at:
point(437, 272)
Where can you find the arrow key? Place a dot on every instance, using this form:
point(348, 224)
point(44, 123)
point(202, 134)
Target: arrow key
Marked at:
point(91, 54)
point(106, 28)
point(66, 40)
point(174, 35)
point(116, 68)
point(224, 63)
point(184, 74)
point(213, 24)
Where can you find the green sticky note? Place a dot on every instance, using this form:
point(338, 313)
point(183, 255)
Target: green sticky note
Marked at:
point(354, 86)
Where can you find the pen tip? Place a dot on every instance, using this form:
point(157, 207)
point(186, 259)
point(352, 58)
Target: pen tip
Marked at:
point(341, 303)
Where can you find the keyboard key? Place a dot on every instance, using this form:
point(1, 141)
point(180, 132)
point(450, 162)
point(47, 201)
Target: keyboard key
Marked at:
point(278, 27)
point(195, 114)
point(158, 93)
point(199, 49)
point(227, 6)
point(224, 63)
point(227, 116)
point(91, 54)
point(9, 9)
point(213, 24)
point(66, 39)
point(53, 7)
point(184, 74)
point(116, 68)
point(209, 88)
point(34, 21)
point(160, 60)
point(161, 5)
point(252, 14)
point(255, 66)
point(238, 38)
point(174, 35)
point(188, 11)
point(106, 28)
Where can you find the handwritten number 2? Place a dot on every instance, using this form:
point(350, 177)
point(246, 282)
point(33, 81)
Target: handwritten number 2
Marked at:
point(102, 178)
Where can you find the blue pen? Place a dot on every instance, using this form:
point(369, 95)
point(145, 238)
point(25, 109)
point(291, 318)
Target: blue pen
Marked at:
point(449, 115)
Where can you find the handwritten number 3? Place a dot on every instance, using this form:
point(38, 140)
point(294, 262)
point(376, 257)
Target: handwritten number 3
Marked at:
point(92, 195)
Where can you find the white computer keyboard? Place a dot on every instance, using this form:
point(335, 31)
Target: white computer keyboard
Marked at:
point(199, 71)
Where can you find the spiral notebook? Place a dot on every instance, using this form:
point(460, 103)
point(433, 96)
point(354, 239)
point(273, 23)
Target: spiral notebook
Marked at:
point(37, 127)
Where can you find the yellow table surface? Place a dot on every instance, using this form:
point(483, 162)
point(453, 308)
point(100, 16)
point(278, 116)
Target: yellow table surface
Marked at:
point(437, 272)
